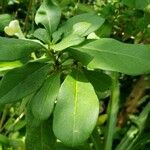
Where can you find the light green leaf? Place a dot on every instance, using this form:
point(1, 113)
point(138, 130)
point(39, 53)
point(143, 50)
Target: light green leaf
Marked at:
point(110, 54)
point(89, 18)
point(4, 66)
point(48, 15)
point(4, 21)
point(20, 82)
point(13, 49)
point(81, 28)
point(68, 41)
point(44, 99)
point(42, 35)
point(39, 135)
point(76, 111)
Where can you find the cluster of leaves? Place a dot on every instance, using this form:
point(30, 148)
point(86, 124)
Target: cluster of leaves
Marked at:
point(62, 78)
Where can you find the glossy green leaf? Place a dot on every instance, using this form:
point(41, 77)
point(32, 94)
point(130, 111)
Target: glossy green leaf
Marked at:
point(39, 135)
point(4, 21)
point(13, 49)
point(20, 82)
point(76, 111)
point(48, 15)
point(67, 28)
point(100, 81)
point(68, 41)
point(44, 99)
point(110, 54)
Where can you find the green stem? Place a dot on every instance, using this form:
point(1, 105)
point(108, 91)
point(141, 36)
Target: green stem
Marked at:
point(3, 117)
point(113, 110)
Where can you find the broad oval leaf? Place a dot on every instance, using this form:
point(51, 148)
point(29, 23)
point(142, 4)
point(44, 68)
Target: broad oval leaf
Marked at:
point(14, 49)
point(76, 110)
point(20, 82)
point(48, 15)
point(110, 54)
point(90, 18)
point(44, 99)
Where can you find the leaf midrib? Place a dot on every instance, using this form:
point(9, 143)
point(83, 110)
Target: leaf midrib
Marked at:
point(115, 53)
point(75, 107)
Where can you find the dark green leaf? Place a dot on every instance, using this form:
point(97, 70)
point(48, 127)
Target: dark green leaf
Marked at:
point(110, 54)
point(76, 111)
point(20, 82)
point(100, 81)
point(44, 99)
point(39, 135)
point(13, 49)
point(48, 15)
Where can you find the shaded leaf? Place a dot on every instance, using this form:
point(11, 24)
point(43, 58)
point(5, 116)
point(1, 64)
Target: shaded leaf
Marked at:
point(20, 82)
point(13, 49)
point(39, 135)
point(100, 81)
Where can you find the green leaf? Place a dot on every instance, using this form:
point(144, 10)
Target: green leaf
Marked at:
point(44, 99)
point(13, 49)
point(39, 135)
point(100, 81)
point(76, 111)
point(110, 54)
point(81, 28)
point(20, 82)
point(4, 66)
point(4, 21)
point(68, 41)
point(90, 18)
point(42, 35)
point(48, 15)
